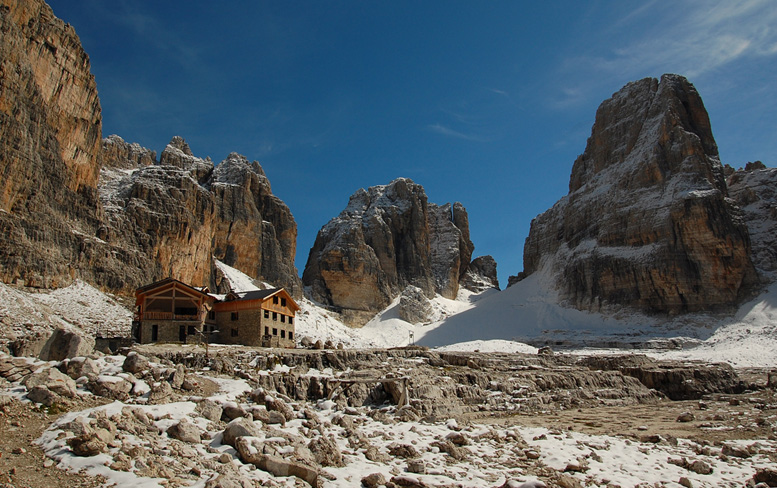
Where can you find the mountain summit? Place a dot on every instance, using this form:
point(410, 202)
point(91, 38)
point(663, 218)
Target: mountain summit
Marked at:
point(388, 238)
point(647, 223)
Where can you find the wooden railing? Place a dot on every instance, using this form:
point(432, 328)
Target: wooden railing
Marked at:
point(170, 316)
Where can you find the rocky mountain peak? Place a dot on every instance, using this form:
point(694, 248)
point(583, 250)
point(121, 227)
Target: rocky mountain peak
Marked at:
point(646, 223)
point(387, 238)
point(649, 131)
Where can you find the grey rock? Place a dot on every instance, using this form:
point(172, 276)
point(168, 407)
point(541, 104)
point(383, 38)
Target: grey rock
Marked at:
point(53, 380)
point(646, 224)
point(388, 237)
point(414, 306)
point(326, 452)
point(238, 428)
point(65, 344)
point(210, 410)
point(184, 431)
point(481, 275)
point(135, 363)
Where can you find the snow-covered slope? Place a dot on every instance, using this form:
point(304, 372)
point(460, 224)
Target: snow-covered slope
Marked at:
point(81, 306)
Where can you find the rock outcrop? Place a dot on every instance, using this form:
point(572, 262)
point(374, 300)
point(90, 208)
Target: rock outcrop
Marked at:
point(387, 238)
point(179, 213)
point(647, 222)
point(50, 125)
point(111, 214)
point(754, 189)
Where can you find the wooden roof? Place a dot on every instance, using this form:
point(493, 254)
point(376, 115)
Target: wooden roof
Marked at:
point(170, 282)
point(263, 295)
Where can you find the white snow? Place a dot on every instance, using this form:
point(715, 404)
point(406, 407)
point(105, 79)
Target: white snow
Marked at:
point(495, 321)
point(238, 281)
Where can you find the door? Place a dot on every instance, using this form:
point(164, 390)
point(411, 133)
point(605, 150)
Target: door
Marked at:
point(182, 333)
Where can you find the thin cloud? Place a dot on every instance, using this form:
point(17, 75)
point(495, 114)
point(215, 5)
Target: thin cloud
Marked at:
point(692, 38)
point(448, 132)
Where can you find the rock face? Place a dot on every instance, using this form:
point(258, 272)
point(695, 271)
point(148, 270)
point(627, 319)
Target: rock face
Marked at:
point(754, 189)
point(388, 237)
point(481, 275)
point(111, 214)
point(50, 125)
point(178, 213)
point(647, 223)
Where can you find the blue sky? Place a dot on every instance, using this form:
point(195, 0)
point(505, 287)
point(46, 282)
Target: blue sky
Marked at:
point(486, 103)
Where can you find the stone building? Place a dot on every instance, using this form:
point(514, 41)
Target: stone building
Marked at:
point(172, 311)
point(257, 318)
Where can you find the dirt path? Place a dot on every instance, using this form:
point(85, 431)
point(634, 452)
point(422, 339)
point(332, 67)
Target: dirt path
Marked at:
point(22, 463)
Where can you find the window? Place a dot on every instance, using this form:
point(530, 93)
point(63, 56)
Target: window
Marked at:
point(274, 331)
point(275, 300)
point(234, 316)
point(267, 314)
point(266, 331)
point(291, 335)
point(283, 302)
point(283, 334)
point(234, 332)
point(275, 316)
point(291, 320)
point(154, 333)
point(283, 319)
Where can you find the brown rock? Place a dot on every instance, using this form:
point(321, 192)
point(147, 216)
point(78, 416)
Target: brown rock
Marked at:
point(646, 223)
point(387, 238)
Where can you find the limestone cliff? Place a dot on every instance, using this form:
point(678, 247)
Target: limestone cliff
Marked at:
point(647, 222)
point(181, 212)
point(108, 212)
point(388, 238)
point(754, 189)
point(50, 125)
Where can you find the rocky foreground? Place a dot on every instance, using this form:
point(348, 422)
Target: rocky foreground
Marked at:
point(240, 417)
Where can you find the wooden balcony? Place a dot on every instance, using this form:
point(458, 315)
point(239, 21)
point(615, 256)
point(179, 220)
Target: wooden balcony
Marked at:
point(200, 317)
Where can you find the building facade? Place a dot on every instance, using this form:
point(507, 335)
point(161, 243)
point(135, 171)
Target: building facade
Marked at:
point(172, 311)
point(257, 318)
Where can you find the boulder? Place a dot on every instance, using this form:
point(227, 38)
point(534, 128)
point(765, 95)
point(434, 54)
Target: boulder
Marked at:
point(184, 431)
point(373, 480)
point(277, 466)
point(275, 404)
point(110, 387)
point(80, 366)
point(135, 363)
point(160, 392)
point(65, 344)
point(232, 411)
point(53, 380)
point(238, 428)
point(88, 444)
point(210, 410)
point(326, 452)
